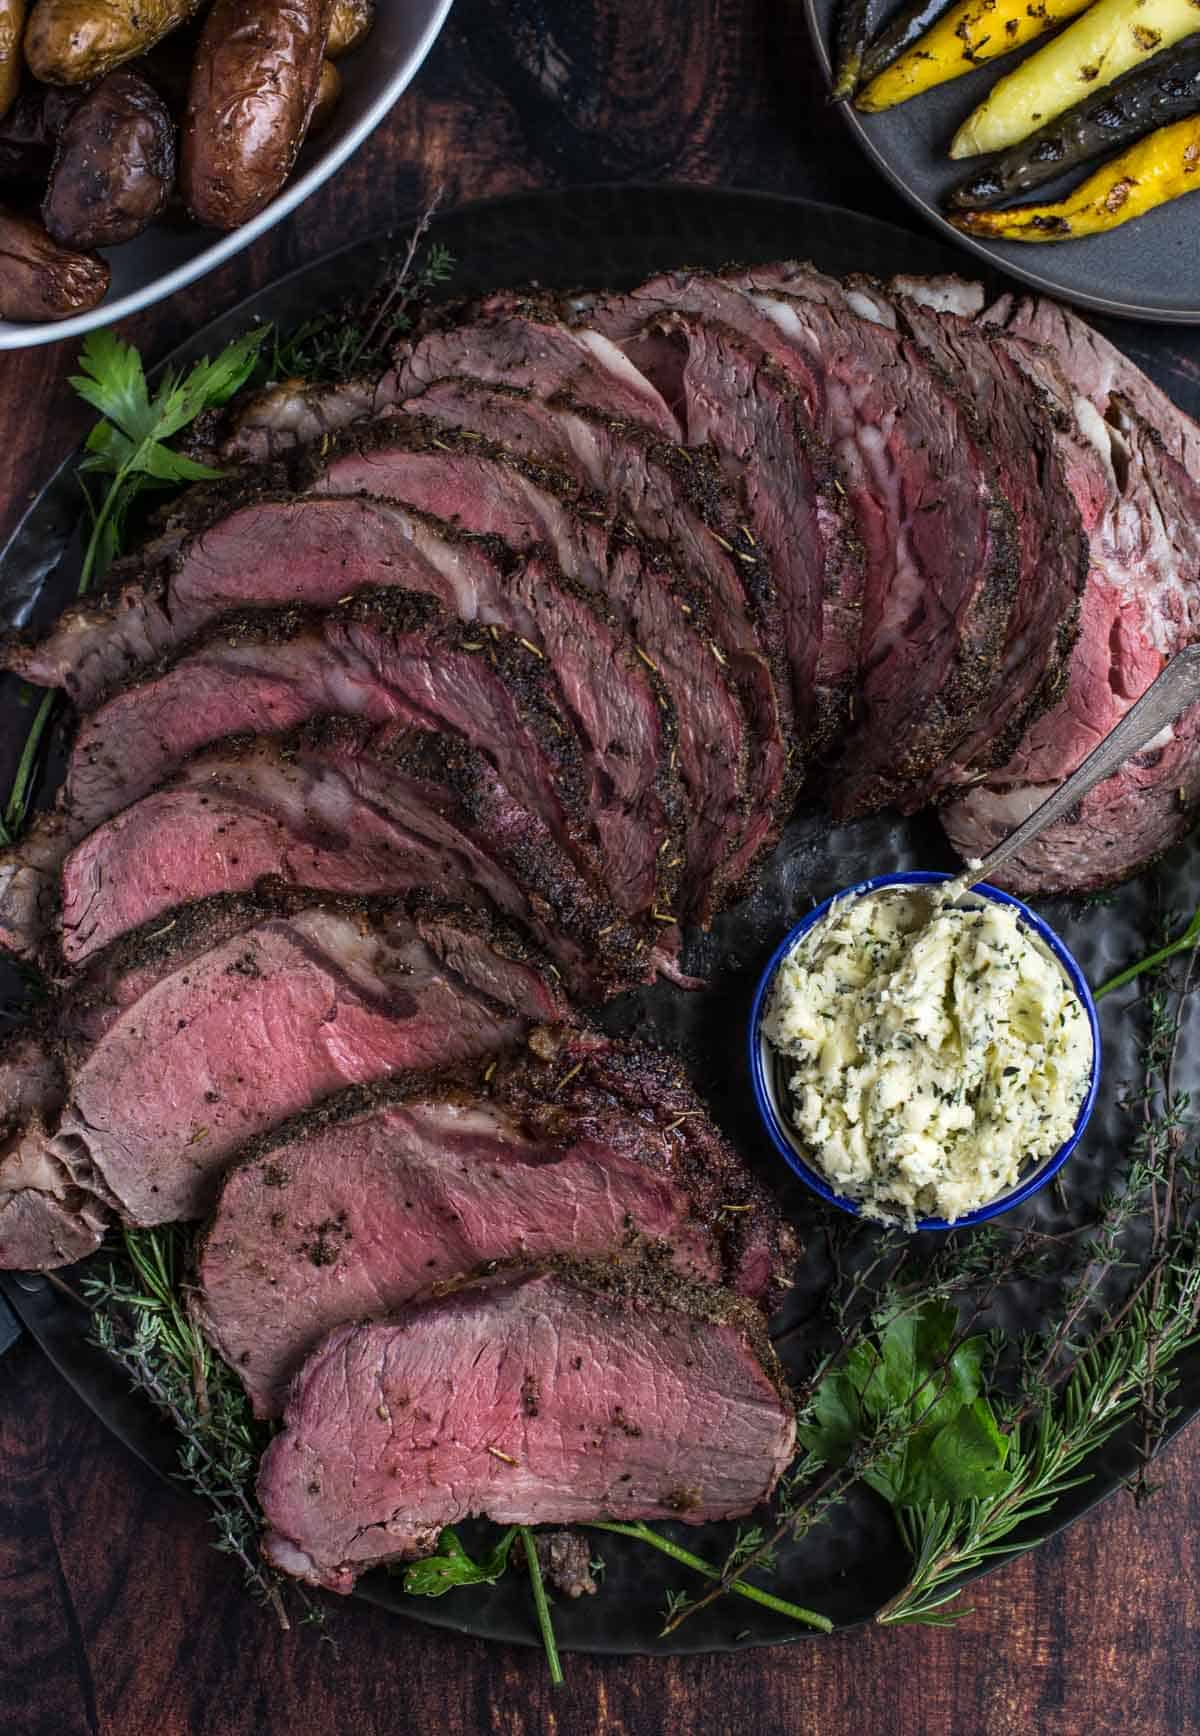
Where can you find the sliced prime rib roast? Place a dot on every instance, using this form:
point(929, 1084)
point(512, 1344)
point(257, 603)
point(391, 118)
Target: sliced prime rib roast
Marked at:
point(282, 551)
point(384, 657)
point(518, 342)
point(1032, 443)
point(489, 491)
point(384, 1193)
point(581, 1392)
point(1141, 508)
point(255, 1010)
point(938, 535)
point(343, 806)
point(679, 500)
point(730, 396)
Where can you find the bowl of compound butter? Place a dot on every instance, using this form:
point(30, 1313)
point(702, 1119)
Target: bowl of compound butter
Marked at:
point(922, 1057)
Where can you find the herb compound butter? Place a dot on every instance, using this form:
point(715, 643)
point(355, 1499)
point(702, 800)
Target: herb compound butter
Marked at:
point(938, 1051)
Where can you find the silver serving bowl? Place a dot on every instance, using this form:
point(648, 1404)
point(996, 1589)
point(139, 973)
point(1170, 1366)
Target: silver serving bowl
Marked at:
point(164, 259)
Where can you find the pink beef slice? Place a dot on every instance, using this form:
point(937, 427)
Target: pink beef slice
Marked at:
point(551, 1397)
point(386, 1193)
point(515, 339)
point(579, 1144)
point(341, 806)
point(384, 657)
point(489, 491)
point(197, 1056)
point(1141, 605)
point(677, 499)
point(913, 634)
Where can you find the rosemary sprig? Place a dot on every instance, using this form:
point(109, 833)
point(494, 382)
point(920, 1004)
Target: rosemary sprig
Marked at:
point(1105, 1386)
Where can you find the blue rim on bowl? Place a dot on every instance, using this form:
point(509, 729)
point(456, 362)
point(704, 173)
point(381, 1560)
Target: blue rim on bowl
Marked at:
point(761, 1065)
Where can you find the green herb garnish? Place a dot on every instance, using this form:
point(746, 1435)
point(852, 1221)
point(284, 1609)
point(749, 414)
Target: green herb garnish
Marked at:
point(129, 445)
point(918, 1382)
point(452, 1566)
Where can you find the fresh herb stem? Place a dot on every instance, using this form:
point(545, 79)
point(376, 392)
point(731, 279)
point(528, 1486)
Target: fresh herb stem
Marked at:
point(541, 1604)
point(17, 805)
point(1184, 942)
point(643, 1534)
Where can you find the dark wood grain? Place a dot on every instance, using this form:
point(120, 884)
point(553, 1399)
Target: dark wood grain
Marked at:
point(115, 1614)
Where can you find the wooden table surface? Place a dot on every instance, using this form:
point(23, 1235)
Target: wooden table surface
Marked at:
point(115, 1614)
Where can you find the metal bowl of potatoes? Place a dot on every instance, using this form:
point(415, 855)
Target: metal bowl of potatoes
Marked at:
point(130, 167)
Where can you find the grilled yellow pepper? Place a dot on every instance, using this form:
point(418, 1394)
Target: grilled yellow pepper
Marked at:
point(1159, 168)
point(1110, 38)
point(971, 33)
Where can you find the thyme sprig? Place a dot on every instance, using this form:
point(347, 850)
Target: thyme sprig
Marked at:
point(357, 339)
point(142, 1317)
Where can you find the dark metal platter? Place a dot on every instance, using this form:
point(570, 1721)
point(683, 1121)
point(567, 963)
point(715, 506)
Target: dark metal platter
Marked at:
point(1145, 270)
point(854, 1562)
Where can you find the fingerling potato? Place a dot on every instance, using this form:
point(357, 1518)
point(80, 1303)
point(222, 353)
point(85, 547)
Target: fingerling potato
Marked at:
point(12, 24)
point(41, 280)
point(329, 95)
point(114, 167)
point(350, 22)
point(253, 88)
point(72, 41)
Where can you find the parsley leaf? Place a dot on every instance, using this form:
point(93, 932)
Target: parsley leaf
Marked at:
point(947, 1446)
point(129, 445)
point(452, 1566)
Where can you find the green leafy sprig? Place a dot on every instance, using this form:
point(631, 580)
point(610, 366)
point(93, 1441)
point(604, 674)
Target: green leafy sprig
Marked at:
point(129, 447)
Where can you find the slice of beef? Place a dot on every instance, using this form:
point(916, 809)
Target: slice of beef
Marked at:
point(384, 657)
point(938, 535)
point(728, 393)
point(1028, 438)
point(46, 1218)
point(219, 1044)
point(574, 1073)
point(1142, 604)
point(341, 806)
point(385, 1193)
point(582, 1145)
point(317, 552)
point(542, 1398)
point(677, 499)
point(523, 341)
point(271, 423)
point(518, 340)
point(490, 492)
point(1099, 371)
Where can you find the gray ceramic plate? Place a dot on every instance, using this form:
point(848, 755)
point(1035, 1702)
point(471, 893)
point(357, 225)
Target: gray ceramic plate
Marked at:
point(1148, 269)
point(851, 1564)
point(167, 256)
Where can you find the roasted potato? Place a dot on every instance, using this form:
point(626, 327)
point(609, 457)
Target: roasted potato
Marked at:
point(329, 95)
point(350, 23)
point(41, 280)
point(28, 132)
point(114, 167)
point(253, 89)
point(12, 23)
point(72, 41)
